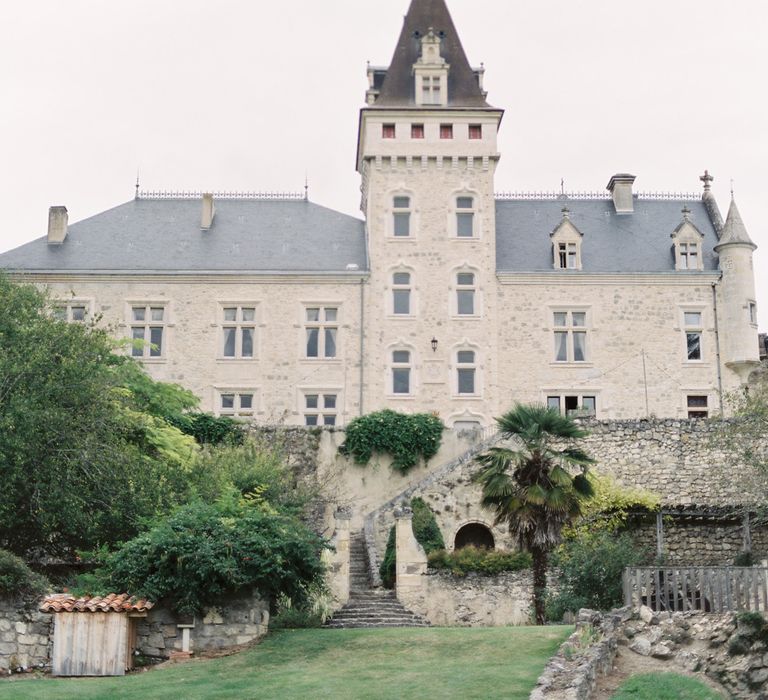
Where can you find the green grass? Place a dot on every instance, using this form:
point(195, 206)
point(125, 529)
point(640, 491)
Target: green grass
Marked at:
point(487, 663)
point(664, 686)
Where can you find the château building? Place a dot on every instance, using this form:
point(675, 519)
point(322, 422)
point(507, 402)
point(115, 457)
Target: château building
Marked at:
point(444, 296)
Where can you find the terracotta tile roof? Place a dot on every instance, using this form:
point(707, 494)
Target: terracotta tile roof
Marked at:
point(63, 602)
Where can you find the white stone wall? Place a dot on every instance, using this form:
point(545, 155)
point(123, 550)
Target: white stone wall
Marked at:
point(278, 373)
point(636, 344)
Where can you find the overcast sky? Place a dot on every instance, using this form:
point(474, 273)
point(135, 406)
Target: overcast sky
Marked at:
point(251, 95)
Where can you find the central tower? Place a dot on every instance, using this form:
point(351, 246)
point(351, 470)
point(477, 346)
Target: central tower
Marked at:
point(427, 153)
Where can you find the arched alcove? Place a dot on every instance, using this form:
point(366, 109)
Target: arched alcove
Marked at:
point(475, 534)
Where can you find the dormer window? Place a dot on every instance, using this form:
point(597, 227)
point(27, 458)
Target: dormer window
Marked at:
point(431, 73)
point(566, 254)
point(431, 92)
point(689, 256)
point(687, 242)
point(566, 244)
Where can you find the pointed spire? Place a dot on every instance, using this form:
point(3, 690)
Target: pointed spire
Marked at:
point(398, 89)
point(734, 230)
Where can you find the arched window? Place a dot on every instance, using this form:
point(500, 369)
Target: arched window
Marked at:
point(401, 293)
point(401, 372)
point(475, 535)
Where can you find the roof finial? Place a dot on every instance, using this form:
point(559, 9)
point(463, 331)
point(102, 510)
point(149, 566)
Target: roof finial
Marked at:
point(566, 212)
point(562, 186)
point(686, 212)
point(706, 178)
point(731, 189)
point(306, 187)
point(136, 195)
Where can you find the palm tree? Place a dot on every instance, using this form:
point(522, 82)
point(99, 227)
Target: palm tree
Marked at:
point(531, 485)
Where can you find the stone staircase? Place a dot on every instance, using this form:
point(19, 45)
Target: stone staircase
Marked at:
point(367, 606)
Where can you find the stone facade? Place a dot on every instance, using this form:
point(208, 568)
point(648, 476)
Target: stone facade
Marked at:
point(26, 636)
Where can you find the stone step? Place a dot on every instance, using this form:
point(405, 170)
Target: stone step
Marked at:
point(359, 625)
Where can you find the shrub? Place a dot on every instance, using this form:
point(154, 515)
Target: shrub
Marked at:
point(591, 566)
point(16, 578)
point(557, 605)
point(406, 437)
point(478, 560)
point(208, 429)
point(427, 534)
point(203, 552)
point(744, 559)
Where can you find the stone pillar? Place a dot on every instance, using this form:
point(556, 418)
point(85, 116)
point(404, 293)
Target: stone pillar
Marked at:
point(411, 557)
point(337, 560)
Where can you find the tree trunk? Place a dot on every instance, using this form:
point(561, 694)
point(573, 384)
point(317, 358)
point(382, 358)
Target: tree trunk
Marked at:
point(540, 557)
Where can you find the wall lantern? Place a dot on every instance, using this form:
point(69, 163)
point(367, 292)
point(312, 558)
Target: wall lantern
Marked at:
point(433, 343)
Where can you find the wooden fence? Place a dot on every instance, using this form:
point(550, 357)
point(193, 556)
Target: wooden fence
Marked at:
point(714, 589)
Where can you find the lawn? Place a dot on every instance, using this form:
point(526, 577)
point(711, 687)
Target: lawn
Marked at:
point(664, 686)
point(487, 663)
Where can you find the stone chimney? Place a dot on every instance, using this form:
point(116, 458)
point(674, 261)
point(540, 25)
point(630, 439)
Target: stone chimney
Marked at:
point(57, 225)
point(620, 186)
point(209, 211)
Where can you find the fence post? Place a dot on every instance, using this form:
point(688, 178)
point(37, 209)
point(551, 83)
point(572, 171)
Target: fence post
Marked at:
point(659, 535)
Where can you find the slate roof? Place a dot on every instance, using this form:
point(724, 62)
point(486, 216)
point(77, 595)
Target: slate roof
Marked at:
point(399, 86)
point(63, 602)
point(163, 235)
point(637, 242)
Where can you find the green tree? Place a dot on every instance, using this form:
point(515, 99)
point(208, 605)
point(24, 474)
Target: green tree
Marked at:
point(530, 486)
point(85, 453)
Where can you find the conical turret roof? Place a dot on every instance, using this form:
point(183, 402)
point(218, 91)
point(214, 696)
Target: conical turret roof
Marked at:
point(398, 87)
point(734, 230)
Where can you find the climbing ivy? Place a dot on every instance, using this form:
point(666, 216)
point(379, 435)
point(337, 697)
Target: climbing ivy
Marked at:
point(427, 534)
point(406, 437)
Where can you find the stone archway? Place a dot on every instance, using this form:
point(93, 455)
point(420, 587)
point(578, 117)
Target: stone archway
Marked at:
point(474, 534)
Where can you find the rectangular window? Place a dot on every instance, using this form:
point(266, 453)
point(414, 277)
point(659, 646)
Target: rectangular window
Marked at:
point(320, 409)
point(573, 404)
point(446, 131)
point(388, 131)
point(689, 256)
point(465, 294)
point(697, 406)
point(147, 331)
point(752, 311)
point(465, 372)
point(71, 312)
point(570, 334)
point(465, 217)
point(417, 131)
point(401, 372)
point(475, 131)
point(401, 213)
point(693, 321)
point(321, 329)
point(238, 331)
point(237, 403)
point(430, 90)
point(566, 253)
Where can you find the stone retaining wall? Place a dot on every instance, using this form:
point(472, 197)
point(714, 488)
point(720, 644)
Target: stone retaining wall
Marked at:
point(588, 653)
point(696, 543)
point(25, 636)
point(240, 621)
point(473, 600)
